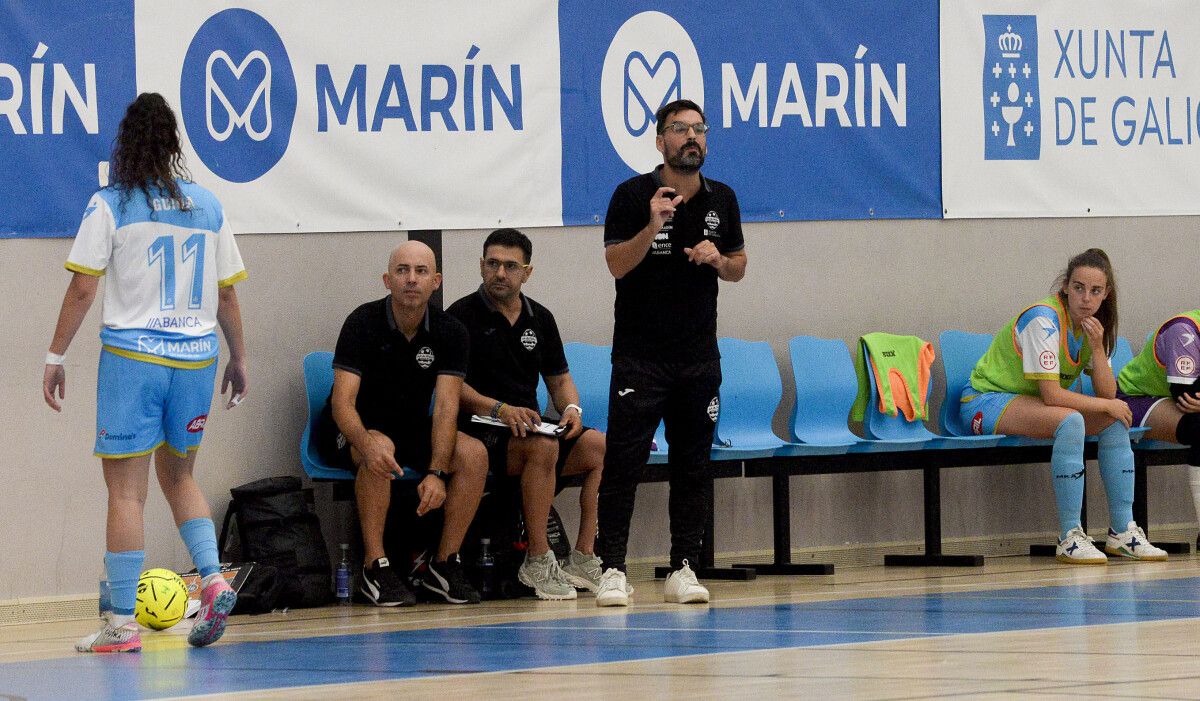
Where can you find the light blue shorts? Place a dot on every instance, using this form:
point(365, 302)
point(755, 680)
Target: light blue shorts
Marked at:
point(140, 406)
point(981, 411)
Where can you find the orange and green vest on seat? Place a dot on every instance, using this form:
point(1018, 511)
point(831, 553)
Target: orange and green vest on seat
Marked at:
point(901, 366)
point(1146, 374)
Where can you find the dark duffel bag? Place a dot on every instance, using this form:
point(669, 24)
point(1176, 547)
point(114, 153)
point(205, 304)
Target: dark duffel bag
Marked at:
point(275, 527)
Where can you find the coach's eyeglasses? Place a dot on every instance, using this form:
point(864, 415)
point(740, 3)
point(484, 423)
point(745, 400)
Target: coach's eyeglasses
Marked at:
point(681, 128)
point(511, 267)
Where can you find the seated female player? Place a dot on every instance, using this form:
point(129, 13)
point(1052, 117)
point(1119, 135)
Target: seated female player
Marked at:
point(1159, 385)
point(1021, 387)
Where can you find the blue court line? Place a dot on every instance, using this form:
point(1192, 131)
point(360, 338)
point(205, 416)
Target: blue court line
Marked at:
point(610, 638)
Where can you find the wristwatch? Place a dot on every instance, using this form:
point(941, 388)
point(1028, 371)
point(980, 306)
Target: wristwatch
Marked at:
point(440, 474)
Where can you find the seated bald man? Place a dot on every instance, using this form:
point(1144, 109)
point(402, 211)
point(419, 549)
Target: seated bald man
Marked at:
point(393, 355)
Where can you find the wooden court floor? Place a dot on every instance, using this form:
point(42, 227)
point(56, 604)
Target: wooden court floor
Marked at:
point(1018, 627)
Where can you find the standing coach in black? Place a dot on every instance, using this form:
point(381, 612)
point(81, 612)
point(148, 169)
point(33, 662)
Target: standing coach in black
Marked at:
point(668, 236)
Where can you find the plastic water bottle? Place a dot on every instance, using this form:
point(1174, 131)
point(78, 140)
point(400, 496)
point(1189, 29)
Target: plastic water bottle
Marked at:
point(342, 577)
point(487, 569)
point(105, 592)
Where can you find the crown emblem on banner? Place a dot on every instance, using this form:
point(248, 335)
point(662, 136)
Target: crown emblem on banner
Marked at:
point(1010, 44)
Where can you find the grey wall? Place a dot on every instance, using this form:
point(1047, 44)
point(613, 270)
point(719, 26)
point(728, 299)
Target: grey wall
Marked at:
point(832, 279)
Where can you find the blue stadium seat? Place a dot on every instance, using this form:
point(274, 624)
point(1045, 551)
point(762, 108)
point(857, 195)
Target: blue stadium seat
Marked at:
point(825, 389)
point(318, 381)
point(750, 393)
point(960, 353)
point(591, 368)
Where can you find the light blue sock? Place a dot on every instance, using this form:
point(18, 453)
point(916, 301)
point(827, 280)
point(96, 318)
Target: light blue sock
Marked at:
point(124, 569)
point(1066, 461)
point(1116, 469)
point(200, 536)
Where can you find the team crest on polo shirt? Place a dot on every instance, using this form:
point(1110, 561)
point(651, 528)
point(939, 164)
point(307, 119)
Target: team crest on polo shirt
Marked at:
point(425, 357)
point(714, 409)
point(529, 339)
point(712, 221)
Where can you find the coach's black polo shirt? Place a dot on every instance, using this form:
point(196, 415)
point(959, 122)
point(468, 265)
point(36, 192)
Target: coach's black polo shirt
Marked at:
point(506, 359)
point(666, 307)
point(398, 375)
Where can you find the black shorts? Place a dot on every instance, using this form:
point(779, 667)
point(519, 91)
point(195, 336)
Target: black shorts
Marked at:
point(495, 439)
point(413, 448)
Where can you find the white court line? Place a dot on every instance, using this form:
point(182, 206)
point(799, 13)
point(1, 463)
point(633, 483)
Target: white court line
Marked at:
point(914, 633)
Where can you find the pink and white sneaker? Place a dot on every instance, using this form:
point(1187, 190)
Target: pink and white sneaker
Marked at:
point(111, 638)
point(216, 601)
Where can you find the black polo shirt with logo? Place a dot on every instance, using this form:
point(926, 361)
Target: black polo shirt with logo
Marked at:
point(507, 359)
point(398, 375)
point(666, 307)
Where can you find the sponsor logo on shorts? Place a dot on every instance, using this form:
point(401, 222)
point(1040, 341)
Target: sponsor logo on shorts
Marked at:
point(623, 392)
point(977, 423)
point(1048, 360)
point(714, 409)
point(1185, 365)
point(529, 339)
point(196, 425)
point(106, 436)
point(425, 357)
point(341, 441)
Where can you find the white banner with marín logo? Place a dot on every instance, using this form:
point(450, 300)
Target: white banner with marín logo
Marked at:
point(1056, 108)
point(363, 116)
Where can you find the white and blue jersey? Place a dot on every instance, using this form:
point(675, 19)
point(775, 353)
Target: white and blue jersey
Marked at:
point(1039, 334)
point(165, 266)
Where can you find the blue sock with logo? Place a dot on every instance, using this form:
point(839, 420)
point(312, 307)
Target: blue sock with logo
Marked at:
point(1116, 469)
point(1066, 462)
point(124, 569)
point(200, 536)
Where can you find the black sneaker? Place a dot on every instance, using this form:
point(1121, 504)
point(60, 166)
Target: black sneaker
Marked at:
point(447, 579)
point(383, 587)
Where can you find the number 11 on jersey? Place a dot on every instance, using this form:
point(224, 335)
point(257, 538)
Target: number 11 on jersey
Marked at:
point(162, 251)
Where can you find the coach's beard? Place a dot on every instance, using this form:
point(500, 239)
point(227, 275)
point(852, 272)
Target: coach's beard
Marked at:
point(687, 160)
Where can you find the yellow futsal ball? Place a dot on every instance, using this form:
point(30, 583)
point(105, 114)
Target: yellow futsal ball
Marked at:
point(161, 599)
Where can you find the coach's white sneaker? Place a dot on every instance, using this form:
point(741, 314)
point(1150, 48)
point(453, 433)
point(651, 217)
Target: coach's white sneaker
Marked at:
point(613, 589)
point(1078, 549)
point(1132, 544)
point(682, 587)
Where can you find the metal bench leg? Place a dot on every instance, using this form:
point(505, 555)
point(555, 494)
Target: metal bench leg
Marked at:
point(781, 497)
point(933, 556)
point(1141, 512)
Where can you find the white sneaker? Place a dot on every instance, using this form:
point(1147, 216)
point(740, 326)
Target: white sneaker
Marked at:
point(111, 637)
point(1132, 544)
point(613, 589)
point(1078, 549)
point(682, 587)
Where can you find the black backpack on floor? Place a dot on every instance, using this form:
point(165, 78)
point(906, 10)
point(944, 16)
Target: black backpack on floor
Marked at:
point(276, 528)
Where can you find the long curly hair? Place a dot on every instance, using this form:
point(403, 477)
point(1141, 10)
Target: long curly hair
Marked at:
point(1107, 314)
point(146, 154)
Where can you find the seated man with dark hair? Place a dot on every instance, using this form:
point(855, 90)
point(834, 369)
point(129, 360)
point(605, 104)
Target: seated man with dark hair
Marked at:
point(393, 356)
point(513, 341)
